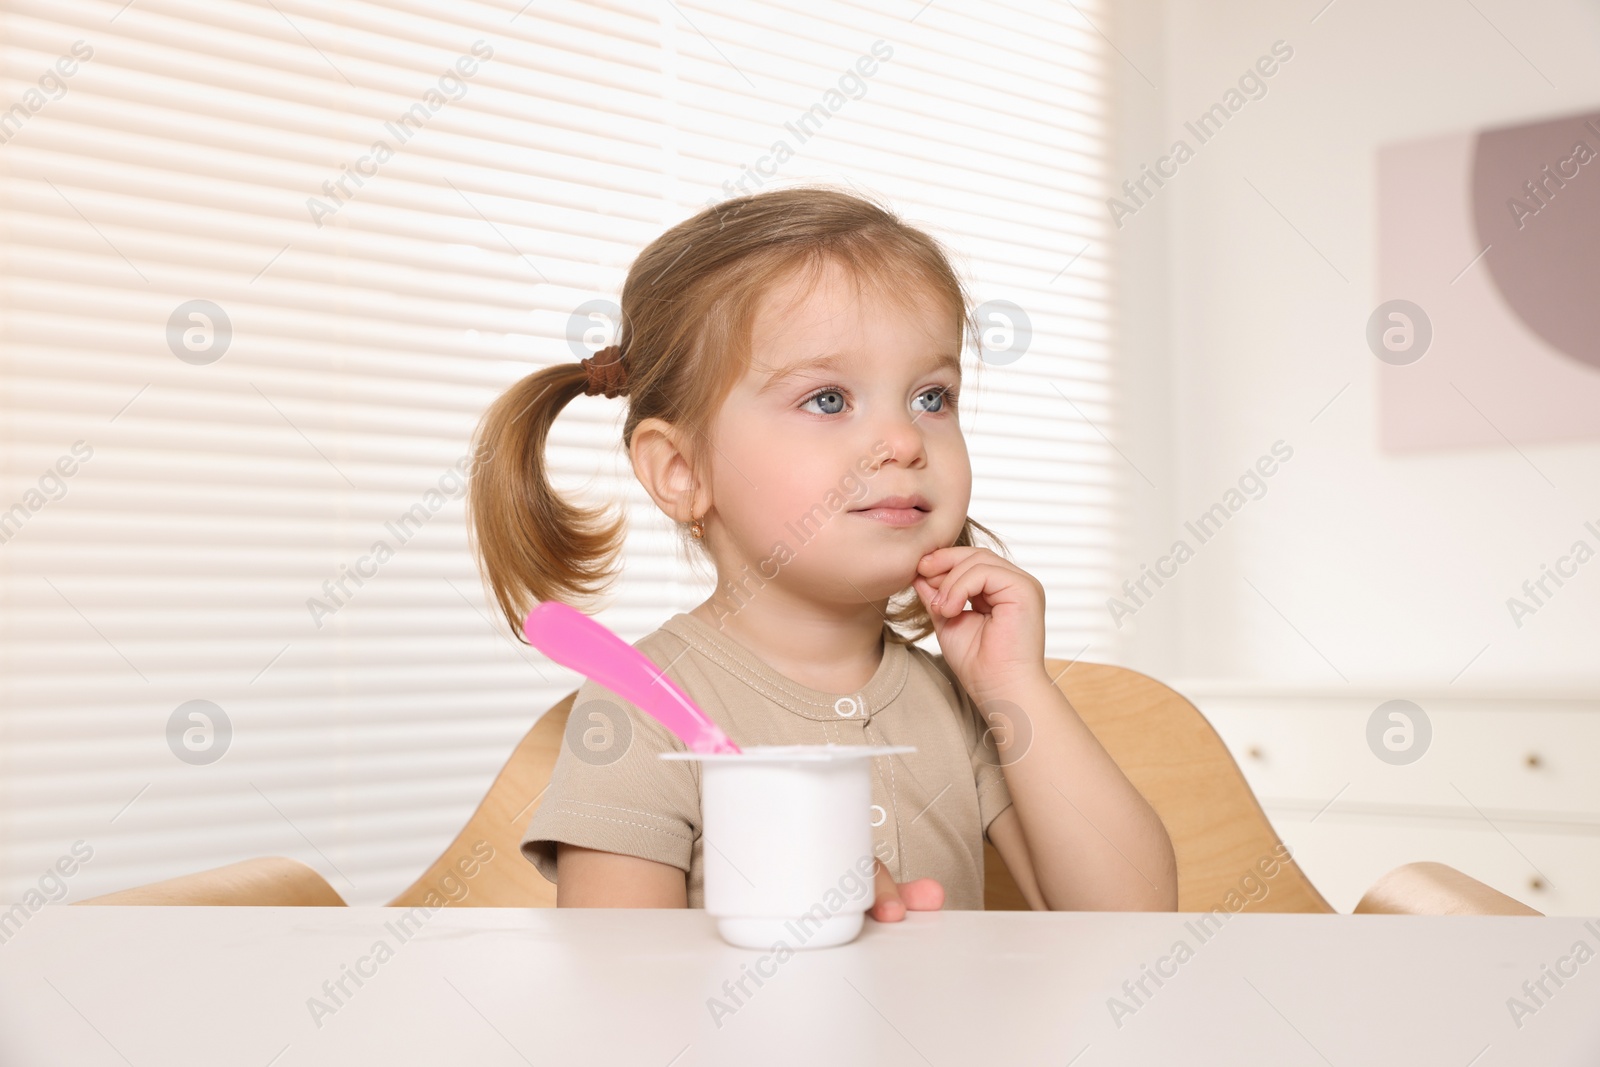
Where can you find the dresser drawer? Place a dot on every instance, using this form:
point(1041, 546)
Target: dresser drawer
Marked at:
point(1555, 872)
point(1496, 758)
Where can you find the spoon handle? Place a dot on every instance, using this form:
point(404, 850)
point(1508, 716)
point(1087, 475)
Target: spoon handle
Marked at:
point(578, 642)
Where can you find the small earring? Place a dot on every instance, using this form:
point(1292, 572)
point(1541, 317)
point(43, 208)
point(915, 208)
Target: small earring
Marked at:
point(697, 529)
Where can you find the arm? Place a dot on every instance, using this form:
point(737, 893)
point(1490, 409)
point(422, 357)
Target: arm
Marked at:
point(1089, 839)
point(1077, 830)
point(1006, 835)
point(589, 878)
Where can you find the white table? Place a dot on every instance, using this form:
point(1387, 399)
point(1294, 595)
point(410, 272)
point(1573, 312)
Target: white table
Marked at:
point(161, 987)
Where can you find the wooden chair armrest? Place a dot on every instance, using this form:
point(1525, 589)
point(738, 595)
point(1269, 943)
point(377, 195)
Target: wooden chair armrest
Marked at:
point(269, 881)
point(1436, 889)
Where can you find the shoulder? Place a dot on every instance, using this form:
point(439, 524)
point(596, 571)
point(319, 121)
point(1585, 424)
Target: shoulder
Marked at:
point(662, 644)
point(594, 702)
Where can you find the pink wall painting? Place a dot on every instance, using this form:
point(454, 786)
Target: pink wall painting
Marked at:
point(1488, 326)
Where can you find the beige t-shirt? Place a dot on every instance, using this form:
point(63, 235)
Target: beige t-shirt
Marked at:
point(931, 808)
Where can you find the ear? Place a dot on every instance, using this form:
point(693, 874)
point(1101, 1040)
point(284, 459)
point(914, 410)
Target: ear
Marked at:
point(663, 467)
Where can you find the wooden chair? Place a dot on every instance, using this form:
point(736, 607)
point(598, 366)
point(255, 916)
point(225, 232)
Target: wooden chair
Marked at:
point(271, 881)
point(1228, 856)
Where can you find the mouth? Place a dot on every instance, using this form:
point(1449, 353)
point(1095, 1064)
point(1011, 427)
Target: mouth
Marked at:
point(895, 510)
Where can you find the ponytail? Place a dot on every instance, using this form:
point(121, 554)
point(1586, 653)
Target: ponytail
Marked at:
point(531, 544)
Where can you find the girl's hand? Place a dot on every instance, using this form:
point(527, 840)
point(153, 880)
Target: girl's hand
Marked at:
point(999, 644)
point(891, 900)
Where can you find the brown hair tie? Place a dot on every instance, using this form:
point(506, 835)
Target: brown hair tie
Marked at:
point(606, 372)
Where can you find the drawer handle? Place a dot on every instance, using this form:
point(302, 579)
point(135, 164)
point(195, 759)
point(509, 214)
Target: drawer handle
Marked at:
point(1532, 760)
point(1536, 884)
point(1254, 752)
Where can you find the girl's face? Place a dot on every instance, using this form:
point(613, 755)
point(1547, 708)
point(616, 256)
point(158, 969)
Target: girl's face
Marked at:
point(850, 400)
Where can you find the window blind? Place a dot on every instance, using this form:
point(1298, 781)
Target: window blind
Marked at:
point(265, 264)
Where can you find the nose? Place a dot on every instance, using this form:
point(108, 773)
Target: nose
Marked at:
point(903, 434)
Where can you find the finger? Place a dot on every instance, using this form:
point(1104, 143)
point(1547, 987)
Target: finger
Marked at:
point(951, 594)
point(887, 907)
point(942, 559)
point(947, 584)
point(993, 584)
point(980, 586)
point(924, 894)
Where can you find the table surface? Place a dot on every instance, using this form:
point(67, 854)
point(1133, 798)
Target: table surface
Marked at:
point(170, 986)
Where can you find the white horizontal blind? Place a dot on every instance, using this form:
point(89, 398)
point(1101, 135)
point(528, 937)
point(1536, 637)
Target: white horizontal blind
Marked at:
point(195, 494)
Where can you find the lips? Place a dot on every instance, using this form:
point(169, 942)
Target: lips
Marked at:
point(895, 510)
point(897, 503)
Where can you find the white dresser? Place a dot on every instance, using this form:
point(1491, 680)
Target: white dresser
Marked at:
point(1503, 786)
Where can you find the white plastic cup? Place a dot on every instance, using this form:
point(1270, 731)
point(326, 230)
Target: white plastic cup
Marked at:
point(788, 841)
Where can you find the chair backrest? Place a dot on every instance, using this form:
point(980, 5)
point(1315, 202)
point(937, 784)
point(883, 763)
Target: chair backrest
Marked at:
point(1225, 846)
point(505, 879)
point(262, 882)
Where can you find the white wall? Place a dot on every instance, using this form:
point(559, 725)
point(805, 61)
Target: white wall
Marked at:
point(1394, 570)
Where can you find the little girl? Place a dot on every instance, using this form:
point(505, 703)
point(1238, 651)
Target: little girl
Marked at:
point(791, 362)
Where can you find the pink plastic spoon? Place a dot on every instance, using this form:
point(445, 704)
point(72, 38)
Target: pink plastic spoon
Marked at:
point(576, 641)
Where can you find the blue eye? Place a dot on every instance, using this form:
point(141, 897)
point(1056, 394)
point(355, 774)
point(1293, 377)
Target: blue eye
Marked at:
point(826, 399)
point(940, 395)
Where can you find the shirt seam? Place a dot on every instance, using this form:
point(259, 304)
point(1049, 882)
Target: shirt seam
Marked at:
point(603, 818)
point(992, 783)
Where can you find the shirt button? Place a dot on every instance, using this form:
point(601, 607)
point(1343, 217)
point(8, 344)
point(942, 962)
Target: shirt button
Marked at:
point(846, 707)
point(879, 816)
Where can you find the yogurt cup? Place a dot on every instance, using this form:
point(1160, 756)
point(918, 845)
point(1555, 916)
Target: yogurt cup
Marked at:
point(788, 841)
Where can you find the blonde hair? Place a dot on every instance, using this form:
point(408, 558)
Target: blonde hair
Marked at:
point(687, 308)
